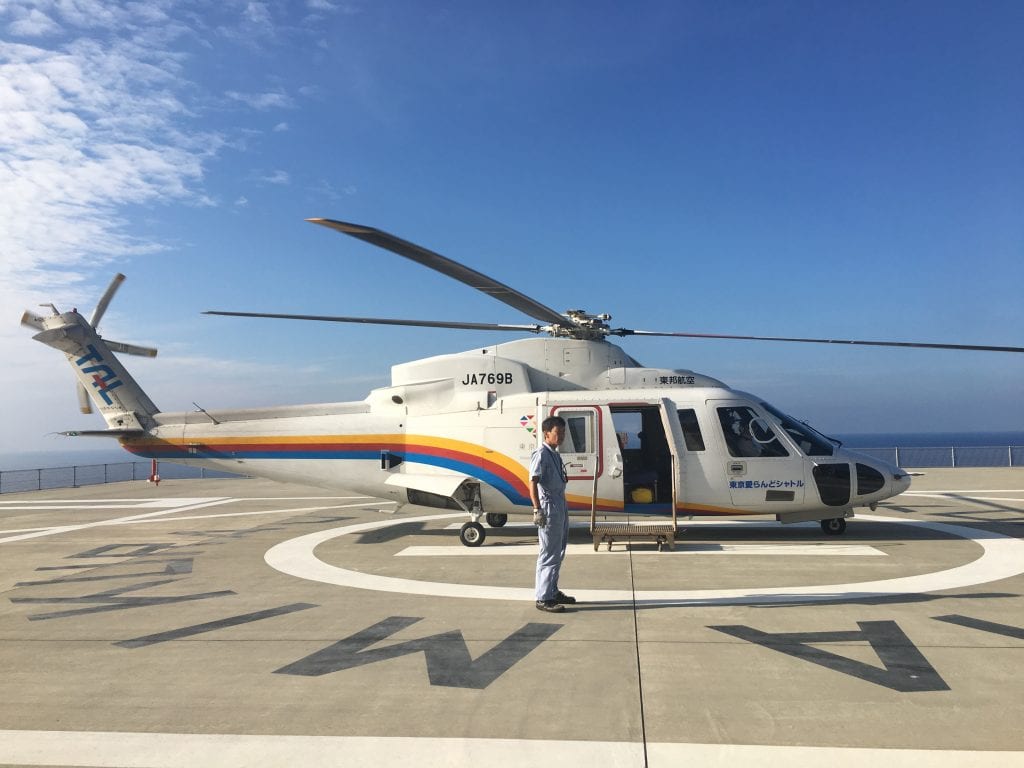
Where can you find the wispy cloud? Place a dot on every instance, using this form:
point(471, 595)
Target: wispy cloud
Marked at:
point(87, 127)
point(263, 101)
point(33, 23)
point(276, 177)
point(100, 113)
point(324, 189)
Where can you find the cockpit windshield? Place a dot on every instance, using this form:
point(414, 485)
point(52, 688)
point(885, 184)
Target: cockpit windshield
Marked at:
point(807, 439)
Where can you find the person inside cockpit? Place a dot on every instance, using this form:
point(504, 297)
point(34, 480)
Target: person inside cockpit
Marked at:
point(736, 427)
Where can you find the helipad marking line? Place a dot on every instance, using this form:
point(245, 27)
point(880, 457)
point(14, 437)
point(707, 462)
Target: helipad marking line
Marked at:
point(168, 501)
point(238, 514)
point(574, 550)
point(119, 502)
point(1002, 557)
point(158, 518)
point(74, 505)
point(114, 521)
point(966, 491)
point(964, 499)
point(83, 507)
point(312, 498)
point(85, 749)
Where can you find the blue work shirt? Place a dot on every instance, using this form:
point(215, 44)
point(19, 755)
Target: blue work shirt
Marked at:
point(547, 468)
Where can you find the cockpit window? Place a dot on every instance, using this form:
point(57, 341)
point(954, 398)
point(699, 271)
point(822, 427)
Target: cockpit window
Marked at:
point(748, 435)
point(807, 439)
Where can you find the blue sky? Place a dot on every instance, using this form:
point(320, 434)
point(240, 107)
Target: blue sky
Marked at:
point(825, 169)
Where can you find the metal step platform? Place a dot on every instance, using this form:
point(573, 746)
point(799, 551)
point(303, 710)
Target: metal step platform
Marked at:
point(664, 534)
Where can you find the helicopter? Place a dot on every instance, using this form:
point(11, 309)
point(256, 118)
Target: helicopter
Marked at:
point(456, 431)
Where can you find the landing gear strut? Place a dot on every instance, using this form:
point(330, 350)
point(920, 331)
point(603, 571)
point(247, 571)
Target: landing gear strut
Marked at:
point(834, 527)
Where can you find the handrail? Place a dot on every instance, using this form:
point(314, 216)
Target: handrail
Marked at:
point(76, 475)
point(675, 493)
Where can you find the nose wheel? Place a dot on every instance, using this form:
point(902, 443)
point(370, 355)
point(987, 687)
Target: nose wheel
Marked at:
point(472, 534)
point(834, 527)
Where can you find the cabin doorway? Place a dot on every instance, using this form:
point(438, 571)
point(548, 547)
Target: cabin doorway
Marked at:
point(646, 457)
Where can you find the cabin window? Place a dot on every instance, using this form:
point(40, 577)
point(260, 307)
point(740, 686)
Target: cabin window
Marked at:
point(807, 439)
point(691, 429)
point(748, 435)
point(579, 432)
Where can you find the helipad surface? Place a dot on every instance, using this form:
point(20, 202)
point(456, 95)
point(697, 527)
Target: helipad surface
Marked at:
point(239, 622)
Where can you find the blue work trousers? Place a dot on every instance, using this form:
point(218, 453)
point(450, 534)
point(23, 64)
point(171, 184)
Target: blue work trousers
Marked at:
point(553, 539)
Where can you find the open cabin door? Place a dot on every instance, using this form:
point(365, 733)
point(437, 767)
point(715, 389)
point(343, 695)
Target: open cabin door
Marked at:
point(646, 460)
point(677, 467)
point(583, 453)
point(649, 440)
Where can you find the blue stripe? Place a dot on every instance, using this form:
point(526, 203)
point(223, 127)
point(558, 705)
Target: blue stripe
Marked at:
point(464, 467)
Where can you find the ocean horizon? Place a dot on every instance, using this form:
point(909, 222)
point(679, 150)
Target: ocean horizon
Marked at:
point(45, 459)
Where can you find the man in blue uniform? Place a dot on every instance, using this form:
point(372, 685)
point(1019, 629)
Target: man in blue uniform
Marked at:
point(550, 515)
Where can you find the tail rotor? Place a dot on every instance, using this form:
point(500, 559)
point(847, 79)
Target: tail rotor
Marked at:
point(84, 401)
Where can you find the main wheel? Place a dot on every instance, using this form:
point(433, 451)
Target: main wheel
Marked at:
point(834, 527)
point(472, 534)
point(496, 520)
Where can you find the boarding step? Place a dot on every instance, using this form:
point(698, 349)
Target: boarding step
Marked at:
point(664, 534)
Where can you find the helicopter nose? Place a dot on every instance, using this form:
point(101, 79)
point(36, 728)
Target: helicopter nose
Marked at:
point(900, 482)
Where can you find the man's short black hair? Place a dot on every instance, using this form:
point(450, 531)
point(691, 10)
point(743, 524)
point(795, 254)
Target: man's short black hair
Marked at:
point(551, 422)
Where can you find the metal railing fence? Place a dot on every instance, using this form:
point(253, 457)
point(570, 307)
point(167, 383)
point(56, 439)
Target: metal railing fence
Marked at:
point(19, 480)
point(951, 456)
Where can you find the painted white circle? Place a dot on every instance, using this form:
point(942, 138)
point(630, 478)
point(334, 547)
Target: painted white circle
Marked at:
point(1002, 557)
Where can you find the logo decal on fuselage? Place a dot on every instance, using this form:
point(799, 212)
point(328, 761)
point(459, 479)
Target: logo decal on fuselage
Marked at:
point(103, 377)
point(766, 483)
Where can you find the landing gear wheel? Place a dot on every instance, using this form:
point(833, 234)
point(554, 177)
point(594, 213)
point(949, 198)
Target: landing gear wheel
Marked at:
point(496, 520)
point(834, 527)
point(472, 534)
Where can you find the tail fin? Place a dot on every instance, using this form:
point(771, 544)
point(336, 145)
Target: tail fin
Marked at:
point(119, 398)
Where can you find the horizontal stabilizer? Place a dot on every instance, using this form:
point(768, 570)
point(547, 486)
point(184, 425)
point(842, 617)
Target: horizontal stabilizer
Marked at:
point(103, 432)
point(130, 349)
point(32, 320)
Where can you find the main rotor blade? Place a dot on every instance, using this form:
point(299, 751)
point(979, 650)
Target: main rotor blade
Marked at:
point(101, 307)
point(453, 269)
point(972, 347)
point(388, 321)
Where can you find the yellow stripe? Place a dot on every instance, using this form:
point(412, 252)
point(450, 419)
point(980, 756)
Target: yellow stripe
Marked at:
point(443, 443)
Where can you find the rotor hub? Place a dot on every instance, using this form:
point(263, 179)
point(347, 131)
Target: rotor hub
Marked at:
point(584, 326)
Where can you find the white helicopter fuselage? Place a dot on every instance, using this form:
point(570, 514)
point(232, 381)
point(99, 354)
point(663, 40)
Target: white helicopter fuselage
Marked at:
point(457, 431)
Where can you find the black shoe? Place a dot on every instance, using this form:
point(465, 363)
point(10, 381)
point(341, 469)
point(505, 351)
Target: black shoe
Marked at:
point(551, 606)
point(563, 599)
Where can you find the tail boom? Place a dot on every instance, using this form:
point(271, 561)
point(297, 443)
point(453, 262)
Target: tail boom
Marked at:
point(120, 400)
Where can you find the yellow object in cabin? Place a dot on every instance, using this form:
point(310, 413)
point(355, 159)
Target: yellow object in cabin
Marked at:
point(641, 495)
